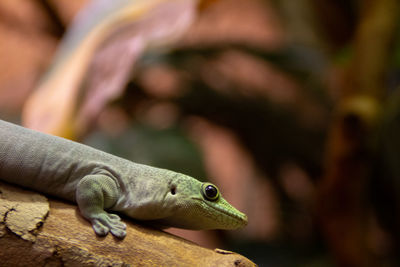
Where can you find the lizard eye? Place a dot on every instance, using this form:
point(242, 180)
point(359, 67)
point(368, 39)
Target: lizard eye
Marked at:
point(210, 191)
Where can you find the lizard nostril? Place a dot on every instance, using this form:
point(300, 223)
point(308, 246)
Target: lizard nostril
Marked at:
point(173, 190)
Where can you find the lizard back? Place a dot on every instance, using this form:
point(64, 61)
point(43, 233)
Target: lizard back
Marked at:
point(50, 164)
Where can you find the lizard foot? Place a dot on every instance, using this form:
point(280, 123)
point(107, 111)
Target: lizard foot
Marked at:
point(104, 223)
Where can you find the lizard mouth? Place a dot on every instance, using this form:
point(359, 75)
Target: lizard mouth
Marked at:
point(238, 217)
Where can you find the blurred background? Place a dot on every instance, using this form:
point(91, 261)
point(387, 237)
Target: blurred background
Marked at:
point(291, 107)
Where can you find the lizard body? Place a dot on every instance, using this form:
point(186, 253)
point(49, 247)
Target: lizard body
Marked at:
point(98, 181)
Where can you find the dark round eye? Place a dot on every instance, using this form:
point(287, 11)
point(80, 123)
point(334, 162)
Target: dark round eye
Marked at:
point(210, 191)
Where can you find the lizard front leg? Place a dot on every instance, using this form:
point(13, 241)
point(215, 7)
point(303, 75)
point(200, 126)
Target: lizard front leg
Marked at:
point(94, 194)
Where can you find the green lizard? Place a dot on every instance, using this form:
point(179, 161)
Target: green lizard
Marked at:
point(100, 182)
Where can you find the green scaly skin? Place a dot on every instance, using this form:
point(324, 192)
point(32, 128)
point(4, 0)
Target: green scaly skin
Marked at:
point(100, 182)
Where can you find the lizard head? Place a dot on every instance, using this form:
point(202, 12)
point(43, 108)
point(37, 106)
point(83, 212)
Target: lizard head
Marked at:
point(196, 205)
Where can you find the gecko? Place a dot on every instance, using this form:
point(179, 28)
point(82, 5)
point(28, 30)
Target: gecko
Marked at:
point(103, 184)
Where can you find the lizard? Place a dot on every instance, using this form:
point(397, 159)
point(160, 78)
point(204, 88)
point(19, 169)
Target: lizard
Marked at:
point(102, 184)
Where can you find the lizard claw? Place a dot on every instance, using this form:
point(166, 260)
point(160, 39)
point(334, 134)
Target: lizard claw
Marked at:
point(104, 223)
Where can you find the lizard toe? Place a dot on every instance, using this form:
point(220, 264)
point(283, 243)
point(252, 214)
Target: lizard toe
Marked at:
point(118, 232)
point(104, 223)
point(99, 228)
point(118, 229)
